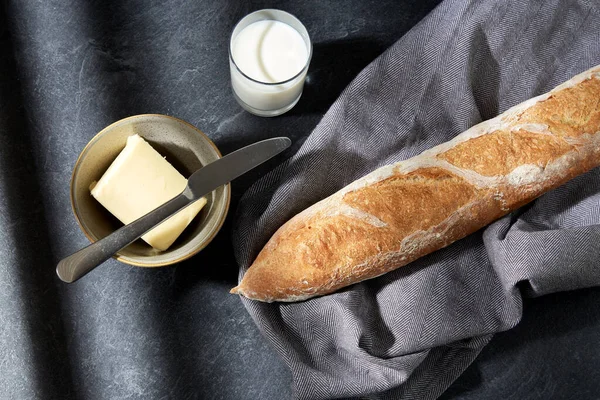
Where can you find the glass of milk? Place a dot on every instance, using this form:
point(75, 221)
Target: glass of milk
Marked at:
point(269, 53)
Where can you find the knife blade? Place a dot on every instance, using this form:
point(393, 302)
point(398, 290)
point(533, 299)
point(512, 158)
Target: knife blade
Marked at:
point(200, 183)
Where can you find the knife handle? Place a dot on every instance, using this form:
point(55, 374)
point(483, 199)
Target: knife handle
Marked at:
point(80, 263)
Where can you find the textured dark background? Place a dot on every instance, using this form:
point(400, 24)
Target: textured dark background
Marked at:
point(68, 69)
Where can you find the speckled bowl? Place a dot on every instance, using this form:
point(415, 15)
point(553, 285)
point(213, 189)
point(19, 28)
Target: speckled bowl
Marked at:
point(186, 148)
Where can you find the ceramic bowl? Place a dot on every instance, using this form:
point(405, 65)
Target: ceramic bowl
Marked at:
point(186, 148)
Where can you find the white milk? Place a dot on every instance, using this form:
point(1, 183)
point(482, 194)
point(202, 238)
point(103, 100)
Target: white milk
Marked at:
point(269, 52)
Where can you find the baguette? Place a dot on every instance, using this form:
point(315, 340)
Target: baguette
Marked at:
point(404, 211)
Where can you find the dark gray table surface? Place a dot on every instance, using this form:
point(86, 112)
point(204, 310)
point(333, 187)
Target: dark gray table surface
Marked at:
point(70, 68)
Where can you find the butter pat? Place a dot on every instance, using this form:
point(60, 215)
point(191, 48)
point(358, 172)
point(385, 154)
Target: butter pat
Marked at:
point(138, 181)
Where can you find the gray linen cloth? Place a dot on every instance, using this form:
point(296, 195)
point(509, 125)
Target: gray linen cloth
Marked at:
point(410, 333)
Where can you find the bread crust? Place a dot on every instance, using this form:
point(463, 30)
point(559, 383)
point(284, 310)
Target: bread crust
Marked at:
point(404, 211)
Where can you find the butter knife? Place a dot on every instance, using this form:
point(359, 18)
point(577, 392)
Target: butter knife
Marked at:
point(200, 183)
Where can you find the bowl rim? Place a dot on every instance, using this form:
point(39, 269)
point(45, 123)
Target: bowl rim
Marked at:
point(122, 258)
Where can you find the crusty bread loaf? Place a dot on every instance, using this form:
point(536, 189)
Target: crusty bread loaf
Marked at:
point(401, 212)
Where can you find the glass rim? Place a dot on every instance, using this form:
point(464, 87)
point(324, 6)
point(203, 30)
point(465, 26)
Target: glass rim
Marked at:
point(310, 47)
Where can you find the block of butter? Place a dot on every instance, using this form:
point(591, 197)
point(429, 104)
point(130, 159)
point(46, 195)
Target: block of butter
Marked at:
point(138, 181)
